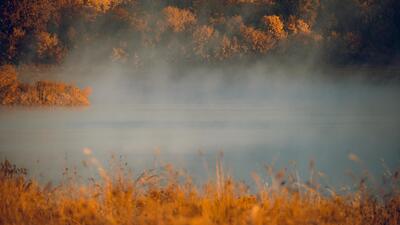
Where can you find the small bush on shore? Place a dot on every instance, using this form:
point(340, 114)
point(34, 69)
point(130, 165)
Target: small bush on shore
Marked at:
point(13, 92)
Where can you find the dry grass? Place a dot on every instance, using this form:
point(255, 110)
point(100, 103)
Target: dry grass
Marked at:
point(169, 197)
point(13, 92)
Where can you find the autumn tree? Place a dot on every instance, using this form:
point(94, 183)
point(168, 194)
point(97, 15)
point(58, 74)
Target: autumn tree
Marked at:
point(19, 20)
point(275, 26)
point(48, 47)
point(298, 26)
point(179, 19)
point(202, 40)
point(258, 40)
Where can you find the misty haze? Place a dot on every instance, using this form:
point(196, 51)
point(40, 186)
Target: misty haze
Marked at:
point(252, 116)
point(200, 112)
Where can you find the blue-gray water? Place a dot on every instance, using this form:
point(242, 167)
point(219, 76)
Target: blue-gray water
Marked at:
point(45, 140)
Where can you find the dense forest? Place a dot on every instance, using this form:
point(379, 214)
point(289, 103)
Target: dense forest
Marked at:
point(337, 32)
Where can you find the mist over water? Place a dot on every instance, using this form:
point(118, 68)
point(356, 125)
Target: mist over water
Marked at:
point(254, 115)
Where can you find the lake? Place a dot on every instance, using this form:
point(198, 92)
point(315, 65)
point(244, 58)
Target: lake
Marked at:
point(48, 139)
point(189, 125)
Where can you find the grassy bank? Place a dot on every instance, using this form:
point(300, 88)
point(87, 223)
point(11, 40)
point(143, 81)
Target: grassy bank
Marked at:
point(170, 197)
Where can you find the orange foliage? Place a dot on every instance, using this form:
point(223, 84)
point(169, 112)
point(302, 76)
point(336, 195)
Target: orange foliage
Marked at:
point(202, 37)
point(48, 47)
point(12, 92)
point(220, 36)
point(259, 41)
point(298, 26)
point(163, 198)
point(228, 48)
point(179, 19)
point(8, 84)
point(8, 76)
point(275, 26)
point(102, 5)
point(43, 31)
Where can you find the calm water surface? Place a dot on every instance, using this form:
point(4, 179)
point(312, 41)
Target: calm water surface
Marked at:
point(45, 140)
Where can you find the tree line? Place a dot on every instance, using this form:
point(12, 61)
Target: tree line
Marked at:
point(338, 31)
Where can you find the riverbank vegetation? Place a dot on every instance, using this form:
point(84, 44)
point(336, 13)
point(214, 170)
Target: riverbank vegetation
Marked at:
point(336, 32)
point(13, 92)
point(169, 196)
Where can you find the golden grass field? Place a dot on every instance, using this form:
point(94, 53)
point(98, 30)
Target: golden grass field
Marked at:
point(170, 197)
